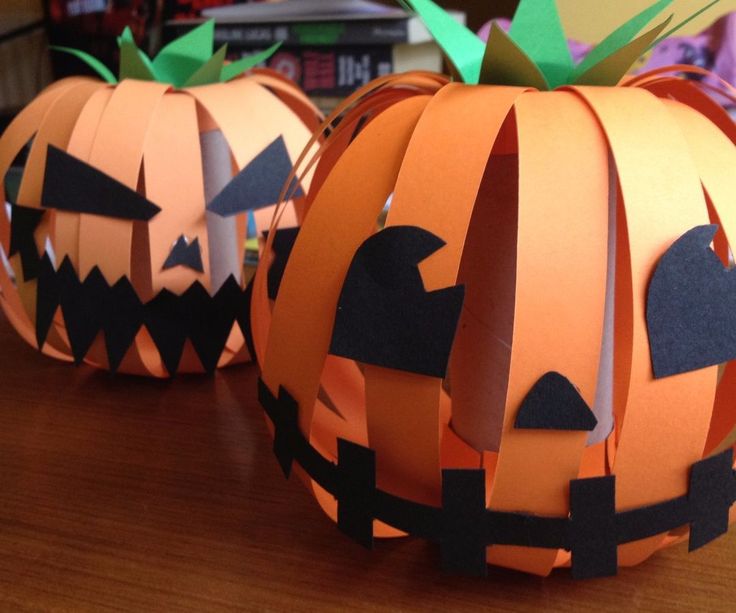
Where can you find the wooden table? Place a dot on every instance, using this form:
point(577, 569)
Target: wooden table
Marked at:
point(128, 493)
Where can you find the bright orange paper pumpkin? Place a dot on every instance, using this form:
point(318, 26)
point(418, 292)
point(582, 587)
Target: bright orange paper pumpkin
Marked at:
point(137, 294)
point(544, 438)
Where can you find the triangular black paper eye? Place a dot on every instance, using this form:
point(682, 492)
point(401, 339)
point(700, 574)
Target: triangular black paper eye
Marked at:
point(23, 223)
point(554, 403)
point(70, 184)
point(384, 315)
point(691, 307)
point(259, 184)
point(186, 254)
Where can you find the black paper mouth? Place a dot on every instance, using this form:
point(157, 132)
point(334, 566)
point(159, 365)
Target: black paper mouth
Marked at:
point(92, 306)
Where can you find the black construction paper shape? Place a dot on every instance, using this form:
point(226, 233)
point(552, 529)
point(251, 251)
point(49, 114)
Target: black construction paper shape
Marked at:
point(691, 307)
point(47, 298)
point(384, 315)
point(284, 413)
point(123, 318)
point(23, 223)
point(356, 467)
point(282, 245)
point(463, 542)
point(82, 305)
point(554, 403)
point(711, 493)
point(259, 184)
point(165, 319)
point(243, 317)
point(184, 253)
point(593, 527)
point(69, 184)
point(211, 319)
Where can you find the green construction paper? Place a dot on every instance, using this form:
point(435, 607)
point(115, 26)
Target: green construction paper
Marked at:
point(537, 30)
point(209, 72)
point(505, 63)
point(91, 61)
point(132, 63)
point(610, 71)
point(623, 35)
point(682, 24)
point(235, 69)
point(178, 60)
point(461, 46)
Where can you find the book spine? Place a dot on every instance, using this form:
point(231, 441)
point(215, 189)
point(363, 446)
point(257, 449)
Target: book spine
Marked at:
point(330, 71)
point(359, 32)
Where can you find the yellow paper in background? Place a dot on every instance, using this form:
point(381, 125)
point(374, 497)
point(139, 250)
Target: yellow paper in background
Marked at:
point(589, 21)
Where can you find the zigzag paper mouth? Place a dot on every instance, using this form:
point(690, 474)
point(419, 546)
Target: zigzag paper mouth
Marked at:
point(92, 306)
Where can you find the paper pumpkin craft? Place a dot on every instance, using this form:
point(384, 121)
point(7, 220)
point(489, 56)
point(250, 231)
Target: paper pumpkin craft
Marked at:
point(124, 247)
point(531, 362)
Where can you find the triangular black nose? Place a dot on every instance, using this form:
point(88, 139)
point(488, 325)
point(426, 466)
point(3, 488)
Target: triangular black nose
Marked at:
point(184, 253)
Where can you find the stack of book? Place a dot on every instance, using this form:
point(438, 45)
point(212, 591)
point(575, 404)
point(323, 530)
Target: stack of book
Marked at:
point(330, 47)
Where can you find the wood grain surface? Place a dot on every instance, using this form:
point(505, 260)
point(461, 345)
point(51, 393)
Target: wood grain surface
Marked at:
point(122, 493)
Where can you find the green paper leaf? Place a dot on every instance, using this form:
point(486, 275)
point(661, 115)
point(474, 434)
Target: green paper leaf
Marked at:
point(182, 57)
point(537, 29)
point(91, 61)
point(610, 70)
point(505, 63)
point(462, 47)
point(210, 71)
point(617, 39)
point(683, 23)
point(134, 64)
point(238, 67)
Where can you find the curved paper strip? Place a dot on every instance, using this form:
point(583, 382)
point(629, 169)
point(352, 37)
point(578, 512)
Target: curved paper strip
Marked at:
point(117, 151)
point(456, 118)
point(715, 158)
point(299, 329)
point(563, 200)
point(659, 181)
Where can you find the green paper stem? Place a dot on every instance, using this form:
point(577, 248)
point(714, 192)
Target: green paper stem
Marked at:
point(682, 24)
point(537, 30)
point(210, 71)
point(505, 63)
point(612, 69)
point(238, 67)
point(91, 61)
point(620, 37)
point(461, 46)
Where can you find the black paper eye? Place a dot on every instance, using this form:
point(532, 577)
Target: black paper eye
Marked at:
point(384, 315)
point(554, 403)
point(691, 307)
point(258, 184)
point(184, 253)
point(69, 184)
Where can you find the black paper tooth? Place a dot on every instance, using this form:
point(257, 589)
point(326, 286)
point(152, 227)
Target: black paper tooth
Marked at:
point(184, 253)
point(384, 315)
point(69, 184)
point(691, 307)
point(554, 403)
point(259, 184)
point(166, 321)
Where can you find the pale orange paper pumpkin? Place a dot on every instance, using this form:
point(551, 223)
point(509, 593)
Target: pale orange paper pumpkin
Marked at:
point(522, 365)
point(126, 240)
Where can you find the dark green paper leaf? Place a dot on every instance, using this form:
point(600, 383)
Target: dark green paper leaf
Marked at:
point(210, 71)
point(178, 60)
point(610, 71)
point(505, 63)
point(683, 23)
point(617, 39)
